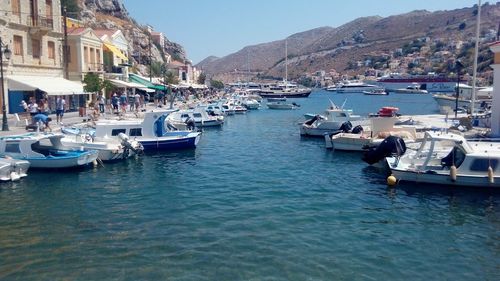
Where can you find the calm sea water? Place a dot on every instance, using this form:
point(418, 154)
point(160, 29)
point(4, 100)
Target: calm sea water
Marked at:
point(254, 201)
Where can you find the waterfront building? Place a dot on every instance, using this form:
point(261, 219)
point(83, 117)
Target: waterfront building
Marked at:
point(33, 32)
point(85, 53)
point(115, 51)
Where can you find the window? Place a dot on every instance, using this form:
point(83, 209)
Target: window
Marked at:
point(48, 9)
point(18, 45)
point(135, 132)
point(481, 165)
point(52, 49)
point(12, 148)
point(85, 55)
point(35, 48)
point(116, 132)
point(16, 7)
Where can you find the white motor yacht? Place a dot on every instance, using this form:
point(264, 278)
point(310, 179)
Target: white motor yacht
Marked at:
point(449, 159)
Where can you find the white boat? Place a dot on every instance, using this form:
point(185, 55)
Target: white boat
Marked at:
point(376, 92)
point(152, 131)
point(13, 169)
point(109, 148)
point(250, 103)
point(447, 103)
point(198, 114)
point(414, 88)
point(355, 87)
point(45, 151)
point(282, 105)
point(379, 129)
point(449, 159)
point(330, 121)
point(432, 82)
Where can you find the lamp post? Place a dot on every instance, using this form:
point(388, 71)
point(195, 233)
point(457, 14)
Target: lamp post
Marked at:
point(458, 67)
point(6, 51)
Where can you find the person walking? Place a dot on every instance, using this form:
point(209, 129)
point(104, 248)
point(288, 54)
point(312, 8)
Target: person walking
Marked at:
point(114, 102)
point(60, 105)
point(102, 102)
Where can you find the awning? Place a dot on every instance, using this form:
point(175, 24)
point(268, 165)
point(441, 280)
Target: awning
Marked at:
point(53, 86)
point(123, 84)
point(115, 51)
point(146, 83)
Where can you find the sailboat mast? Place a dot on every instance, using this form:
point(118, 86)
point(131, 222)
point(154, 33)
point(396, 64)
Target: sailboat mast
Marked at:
point(476, 51)
point(286, 62)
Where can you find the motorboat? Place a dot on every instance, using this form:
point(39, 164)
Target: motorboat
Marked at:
point(282, 105)
point(410, 89)
point(250, 103)
point(354, 87)
point(287, 90)
point(110, 148)
point(199, 115)
point(152, 131)
point(330, 121)
point(378, 130)
point(447, 102)
point(449, 159)
point(13, 169)
point(376, 92)
point(45, 150)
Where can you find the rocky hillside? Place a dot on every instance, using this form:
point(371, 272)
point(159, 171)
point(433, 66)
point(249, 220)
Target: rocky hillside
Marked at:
point(112, 14)
point(329, 48)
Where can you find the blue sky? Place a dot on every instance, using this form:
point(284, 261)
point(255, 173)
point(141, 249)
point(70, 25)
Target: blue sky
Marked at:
point(221, 27)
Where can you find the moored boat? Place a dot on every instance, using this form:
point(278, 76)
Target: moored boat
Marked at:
point(45, 151)
point(13, 169)
point(449, 159)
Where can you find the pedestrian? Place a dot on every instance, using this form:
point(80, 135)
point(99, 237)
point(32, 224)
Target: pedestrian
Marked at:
point(60, 105)
point(102, 102)
point(137, 101)
point(44, 119)
point(123, 102)
point(114, 102)
point(33, 108)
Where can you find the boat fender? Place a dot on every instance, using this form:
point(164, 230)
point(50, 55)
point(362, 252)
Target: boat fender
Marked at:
point(491, 177)
point(453, 173)
point(391, 180)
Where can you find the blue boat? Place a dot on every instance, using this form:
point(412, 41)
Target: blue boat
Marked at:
point(45, 150)
point(153, 132)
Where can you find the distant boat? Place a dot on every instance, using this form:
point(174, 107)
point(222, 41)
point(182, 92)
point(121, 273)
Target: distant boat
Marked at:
point(355, 87)
point(414, 88)
point(376, 92)
point(431, 82)
point(282, 105)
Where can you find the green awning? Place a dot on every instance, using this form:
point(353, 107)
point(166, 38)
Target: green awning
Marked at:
point(138, 79)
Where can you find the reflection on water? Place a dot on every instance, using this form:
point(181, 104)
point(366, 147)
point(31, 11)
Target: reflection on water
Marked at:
point(253, 201)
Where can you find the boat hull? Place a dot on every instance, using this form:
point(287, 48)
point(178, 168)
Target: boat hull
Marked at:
point(69, 160)
point(171, 143)
point(303, 94)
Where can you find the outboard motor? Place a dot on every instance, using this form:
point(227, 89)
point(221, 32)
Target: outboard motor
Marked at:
point(391, 145)
point(346, 127)
point(357, 130)
point(127, 145)
point(190, 124)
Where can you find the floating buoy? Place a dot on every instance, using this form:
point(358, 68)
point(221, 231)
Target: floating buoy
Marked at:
point(453, 173)
point(491, 177)
point(95, 163)
point(391, 180)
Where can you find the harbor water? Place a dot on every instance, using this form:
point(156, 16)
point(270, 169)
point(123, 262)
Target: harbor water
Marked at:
point(254, 201)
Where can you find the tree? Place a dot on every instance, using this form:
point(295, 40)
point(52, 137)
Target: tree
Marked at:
point(171, 78)
point(462, 26)
point(72, 8)
point(94, 84)
point(216, 84)
point(202, 78)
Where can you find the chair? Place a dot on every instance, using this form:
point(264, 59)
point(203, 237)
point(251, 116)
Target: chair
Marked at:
point(19, 122)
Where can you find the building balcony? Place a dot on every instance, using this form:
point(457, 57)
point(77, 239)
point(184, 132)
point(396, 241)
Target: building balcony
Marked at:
point(39, 24)
point(93, 67)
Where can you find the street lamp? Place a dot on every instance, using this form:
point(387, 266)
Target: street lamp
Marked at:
point(458, 66)
point(6, 51)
